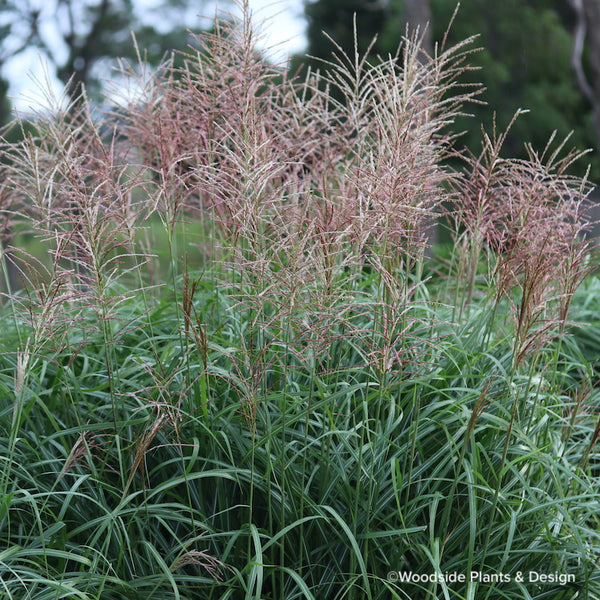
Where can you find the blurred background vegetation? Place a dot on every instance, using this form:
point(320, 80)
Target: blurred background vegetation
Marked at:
point(530, 55)
point(536, 55)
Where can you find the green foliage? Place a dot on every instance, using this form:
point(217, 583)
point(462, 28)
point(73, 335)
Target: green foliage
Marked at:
point(336, 20)
point(524, 64)
point(324, 486)
point(4, 103)
point(313, 407)
point(83, 40)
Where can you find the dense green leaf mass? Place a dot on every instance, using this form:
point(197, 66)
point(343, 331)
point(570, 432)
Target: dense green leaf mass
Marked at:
point(230, 370)
point(524, 58)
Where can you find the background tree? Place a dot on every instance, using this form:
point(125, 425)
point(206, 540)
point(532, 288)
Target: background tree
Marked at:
point(409, 16)
point(385, 19)
point(587, 33)
point(525, 60)
point(5, 107)
point(417, 16)
point(334, 20)
point(81, 39)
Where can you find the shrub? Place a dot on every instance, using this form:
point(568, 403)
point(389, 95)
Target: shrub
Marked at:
point(295, 400)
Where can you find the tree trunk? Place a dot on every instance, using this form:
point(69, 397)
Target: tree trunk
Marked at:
point(417, 16)
point(592, 16)
point(587, 31)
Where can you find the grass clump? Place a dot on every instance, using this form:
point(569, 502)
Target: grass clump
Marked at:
point(312, 406)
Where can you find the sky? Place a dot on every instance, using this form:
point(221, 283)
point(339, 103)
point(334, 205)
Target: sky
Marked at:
point(281, 22)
